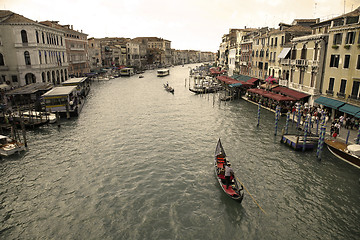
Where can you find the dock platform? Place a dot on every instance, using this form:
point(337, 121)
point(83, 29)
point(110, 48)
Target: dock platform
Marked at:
point(297, 141)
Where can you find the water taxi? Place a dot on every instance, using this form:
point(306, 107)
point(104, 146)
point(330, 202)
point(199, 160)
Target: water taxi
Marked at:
point(126, 72)
point(63, 100)
point(163, 72)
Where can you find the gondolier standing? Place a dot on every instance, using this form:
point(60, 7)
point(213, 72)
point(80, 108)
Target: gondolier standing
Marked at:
point(228, 173)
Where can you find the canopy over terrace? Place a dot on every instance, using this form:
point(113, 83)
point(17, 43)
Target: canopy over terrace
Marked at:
point(215, 71)
point(233, 82)
point(271, 95)
point(291, 93)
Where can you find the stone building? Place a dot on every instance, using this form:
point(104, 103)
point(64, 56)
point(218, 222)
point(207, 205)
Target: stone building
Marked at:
point(342, 64)
point(31, 52)
point(94, 52)
point(76, 48)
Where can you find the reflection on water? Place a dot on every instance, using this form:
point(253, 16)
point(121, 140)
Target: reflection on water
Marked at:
point(137, 164)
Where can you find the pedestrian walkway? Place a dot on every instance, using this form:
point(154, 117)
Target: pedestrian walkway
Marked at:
point(343, 134)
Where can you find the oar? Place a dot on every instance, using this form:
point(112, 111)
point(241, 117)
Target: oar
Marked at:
point(251, 196)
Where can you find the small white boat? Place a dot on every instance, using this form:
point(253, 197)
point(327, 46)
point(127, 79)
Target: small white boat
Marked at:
point(163, 72)
point(102, 79)
point(37, 115)
point(9, 146)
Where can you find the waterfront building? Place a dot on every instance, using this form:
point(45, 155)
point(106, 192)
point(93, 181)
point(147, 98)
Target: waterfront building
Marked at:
point(342, 63)
point(259, 63)
point(133, 54)
point(94, 53)
point(279, 38)
point(76, 48)
point(114, 51)
point(159, 46)
point(303, 64)
point(31, 52)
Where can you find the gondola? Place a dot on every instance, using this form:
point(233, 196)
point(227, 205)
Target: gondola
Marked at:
point(168, 88)
point(235, 190)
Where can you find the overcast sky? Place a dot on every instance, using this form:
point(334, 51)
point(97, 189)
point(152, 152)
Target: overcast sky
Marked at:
point(188, 24)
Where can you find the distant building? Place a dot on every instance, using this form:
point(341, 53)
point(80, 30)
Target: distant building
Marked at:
point(94, 52)
point(31, 52)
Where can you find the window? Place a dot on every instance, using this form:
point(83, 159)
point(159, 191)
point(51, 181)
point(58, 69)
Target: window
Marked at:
point(358, 63)
point(282, 40)
point(350, 38)
point(1, 60)
point(14, 78)
point(347, 61)
point(355, 89)
point(303, 52)
point(27, 58)
point(272, 41)
point(24, 36)
point(301, 77)
point(331, 84)
point(293, 53)
point(342, 86)
point(37, 36)
point(45, 57)
point(40, 60)
point(275, 42)
point(334, 60)
point(337, 39)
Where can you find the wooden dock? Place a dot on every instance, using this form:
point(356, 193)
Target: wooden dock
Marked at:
point(297, 141)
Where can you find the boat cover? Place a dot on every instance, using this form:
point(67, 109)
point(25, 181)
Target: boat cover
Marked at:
point(354, 149)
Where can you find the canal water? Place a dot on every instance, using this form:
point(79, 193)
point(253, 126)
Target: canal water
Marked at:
point(138, 164)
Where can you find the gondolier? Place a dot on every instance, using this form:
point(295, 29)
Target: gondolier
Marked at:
point(228, 173)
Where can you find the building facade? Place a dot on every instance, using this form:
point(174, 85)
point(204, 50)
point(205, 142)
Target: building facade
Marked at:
point(31, 52)
point(76, 48)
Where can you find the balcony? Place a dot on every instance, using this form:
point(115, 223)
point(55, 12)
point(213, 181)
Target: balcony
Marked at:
point(301, 62)
point(340, 94)
point(330, 92)
point(284, 61)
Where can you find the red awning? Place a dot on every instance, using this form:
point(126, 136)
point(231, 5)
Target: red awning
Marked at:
point(291, 93)
point(227, 80)
point(252, 80)
point(275, 96)
point(278, 97)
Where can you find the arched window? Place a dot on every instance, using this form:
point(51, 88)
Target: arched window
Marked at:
point(37, 36)
point(43, 37)
point(24, 36)
point(43, 77)
point(45, 57)
point(27, 58)
point(1, 60)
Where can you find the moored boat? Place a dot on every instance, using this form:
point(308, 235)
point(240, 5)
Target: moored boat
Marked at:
point(235, 190)
point(348, 153)
point(9, 146)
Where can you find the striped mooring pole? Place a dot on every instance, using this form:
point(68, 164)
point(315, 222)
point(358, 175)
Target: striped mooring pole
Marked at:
point(287, 122)
point(277, 114)
point(307, 122)
point(258, 114)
